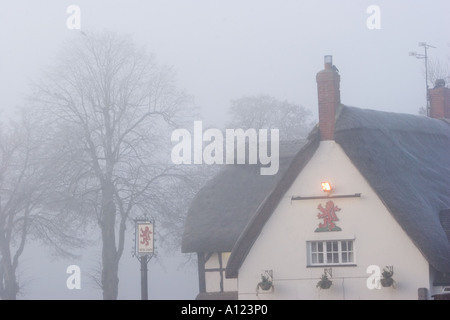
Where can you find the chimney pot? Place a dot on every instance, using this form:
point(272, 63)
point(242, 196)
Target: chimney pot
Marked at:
point(328, 61)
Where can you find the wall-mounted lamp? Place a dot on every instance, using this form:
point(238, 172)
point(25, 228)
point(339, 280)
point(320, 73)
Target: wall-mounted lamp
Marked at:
point(329, 194)
point(326, 187)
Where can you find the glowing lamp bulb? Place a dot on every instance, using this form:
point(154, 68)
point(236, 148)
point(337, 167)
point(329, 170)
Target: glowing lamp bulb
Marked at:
point(326, 186)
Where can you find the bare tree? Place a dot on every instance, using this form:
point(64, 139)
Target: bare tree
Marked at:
point(266, 112)
point(182, 191)
point(109, 108)
point(12, 211)
point(25, 194)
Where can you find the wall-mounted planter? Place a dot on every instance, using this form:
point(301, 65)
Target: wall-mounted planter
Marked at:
point(386, 277)
point(324, 282)
point(387, 282)
point(266, 283)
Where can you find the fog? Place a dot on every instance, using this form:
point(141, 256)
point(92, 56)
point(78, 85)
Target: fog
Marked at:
point(220, 50)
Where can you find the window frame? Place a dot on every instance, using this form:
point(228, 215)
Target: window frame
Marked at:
point(329, 244)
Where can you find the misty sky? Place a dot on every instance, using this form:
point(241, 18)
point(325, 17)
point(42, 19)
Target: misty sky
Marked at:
point(222, 50)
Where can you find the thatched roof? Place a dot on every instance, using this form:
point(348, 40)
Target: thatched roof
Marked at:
point(222, 208)
point(405, 158)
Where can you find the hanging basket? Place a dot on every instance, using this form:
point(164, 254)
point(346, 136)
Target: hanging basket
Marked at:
point(324, 282)
point(265, 284)
point(387, 282)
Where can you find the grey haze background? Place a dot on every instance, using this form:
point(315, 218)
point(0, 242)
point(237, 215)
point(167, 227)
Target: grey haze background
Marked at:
point(223, 50)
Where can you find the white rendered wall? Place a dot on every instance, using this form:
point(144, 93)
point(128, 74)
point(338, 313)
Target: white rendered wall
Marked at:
point(379, 239)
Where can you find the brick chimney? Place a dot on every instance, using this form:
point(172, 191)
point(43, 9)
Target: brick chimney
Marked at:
point(329, 98)
point(439, 100)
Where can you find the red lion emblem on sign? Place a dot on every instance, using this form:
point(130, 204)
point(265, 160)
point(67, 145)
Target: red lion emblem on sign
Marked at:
point(145, 236)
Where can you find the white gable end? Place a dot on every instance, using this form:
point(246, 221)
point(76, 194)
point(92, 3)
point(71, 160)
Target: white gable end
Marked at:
point(284, 244)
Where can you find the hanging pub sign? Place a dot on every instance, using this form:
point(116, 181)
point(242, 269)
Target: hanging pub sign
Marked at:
point(328, 214)
point(144, 240)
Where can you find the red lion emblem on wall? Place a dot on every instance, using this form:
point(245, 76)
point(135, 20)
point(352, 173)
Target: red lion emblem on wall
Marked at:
point(328, 214)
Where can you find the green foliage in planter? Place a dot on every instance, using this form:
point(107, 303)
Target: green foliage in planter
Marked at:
point(386, 280)
point(265, 283)
point(324, 282)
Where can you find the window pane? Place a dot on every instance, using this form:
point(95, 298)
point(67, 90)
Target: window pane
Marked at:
point(344, 257)
point(335, 257)
point(350, 257)
point(328, 246)
point(329, 258)
point(344, 245)
point(314, 258)
point(335, 246)
point(313, 246)
point(350, 245)
point(320, 246)
point(320, 257)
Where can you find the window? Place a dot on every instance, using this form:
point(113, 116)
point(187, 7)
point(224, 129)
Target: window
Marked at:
point(338, 252)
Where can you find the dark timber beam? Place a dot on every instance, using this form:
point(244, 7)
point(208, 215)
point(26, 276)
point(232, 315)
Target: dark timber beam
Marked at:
point(356, 195)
